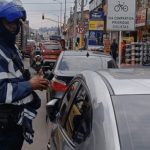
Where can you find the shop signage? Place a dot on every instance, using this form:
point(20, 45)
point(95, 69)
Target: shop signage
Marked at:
point(148, 16)
point(140, 18)
point(96, 25)
point(95, 3)
point(96, 15)
point(95, 38)
point(80, 29)
point(121, 15)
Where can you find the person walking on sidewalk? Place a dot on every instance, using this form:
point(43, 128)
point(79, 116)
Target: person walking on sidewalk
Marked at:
point(114, 49)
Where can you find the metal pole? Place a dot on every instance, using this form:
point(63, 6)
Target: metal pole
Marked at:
point(60, 17)
point(75, 24)
point(58, 27)
point(119, 53)
point(65, 14)
point(81, 34)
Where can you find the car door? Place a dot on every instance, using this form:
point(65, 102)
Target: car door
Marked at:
point(57, 138)
point(76, 122)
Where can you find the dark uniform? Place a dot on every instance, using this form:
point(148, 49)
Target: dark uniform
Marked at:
point(114, 49)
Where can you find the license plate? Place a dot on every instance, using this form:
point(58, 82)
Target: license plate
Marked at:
point(38, 63)
point(51, 64)
point(52, 56)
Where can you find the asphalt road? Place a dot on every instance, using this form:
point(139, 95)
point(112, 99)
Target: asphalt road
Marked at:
point(40, 126)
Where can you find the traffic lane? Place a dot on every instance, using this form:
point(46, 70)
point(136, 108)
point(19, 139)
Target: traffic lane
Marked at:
point(40, 126)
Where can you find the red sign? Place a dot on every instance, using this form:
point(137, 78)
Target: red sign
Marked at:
point(80, 29)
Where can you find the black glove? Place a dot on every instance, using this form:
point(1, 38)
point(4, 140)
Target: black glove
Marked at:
point(28, 131)
point(36, 102)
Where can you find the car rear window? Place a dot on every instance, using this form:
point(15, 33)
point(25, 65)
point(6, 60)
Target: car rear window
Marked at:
point(80, 63)
point(133, 120)
point(53, 47)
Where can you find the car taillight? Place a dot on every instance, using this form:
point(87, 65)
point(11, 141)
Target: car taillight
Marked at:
point(58, 85)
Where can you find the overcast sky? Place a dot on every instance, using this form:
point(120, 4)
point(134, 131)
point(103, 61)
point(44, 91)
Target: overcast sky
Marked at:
point(50, 9)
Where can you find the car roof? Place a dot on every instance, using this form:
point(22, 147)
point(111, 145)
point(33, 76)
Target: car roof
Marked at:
point(127, 81)
point(84, 53)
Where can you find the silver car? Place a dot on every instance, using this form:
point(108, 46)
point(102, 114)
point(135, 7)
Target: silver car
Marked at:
point(105, 110)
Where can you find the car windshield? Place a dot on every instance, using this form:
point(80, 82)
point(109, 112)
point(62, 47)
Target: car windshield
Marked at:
point(73, 63)
point(52, 46)
point(133, 120)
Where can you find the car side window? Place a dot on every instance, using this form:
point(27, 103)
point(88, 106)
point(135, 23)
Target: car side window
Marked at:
point(78, 124)
point(66, 102)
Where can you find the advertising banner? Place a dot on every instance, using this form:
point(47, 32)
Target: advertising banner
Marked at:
point(141, 18)
point(96, 25)
point(148, 16)
point(121, 15)
point(95, 38)
point(96, 15)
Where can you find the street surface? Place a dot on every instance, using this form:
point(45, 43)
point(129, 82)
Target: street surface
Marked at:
point(39, 123)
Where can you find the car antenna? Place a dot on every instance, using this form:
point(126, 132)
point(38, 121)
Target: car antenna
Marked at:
point(87, 54)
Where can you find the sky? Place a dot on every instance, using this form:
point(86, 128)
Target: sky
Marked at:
point(50, 9)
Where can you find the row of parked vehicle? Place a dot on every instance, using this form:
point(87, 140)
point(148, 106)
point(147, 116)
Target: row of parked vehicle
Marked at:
point(45, 55)
point(93, 105)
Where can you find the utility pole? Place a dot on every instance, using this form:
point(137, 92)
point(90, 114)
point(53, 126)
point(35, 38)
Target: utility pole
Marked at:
point(81, 34)
point(75, 24)
point(65, 14)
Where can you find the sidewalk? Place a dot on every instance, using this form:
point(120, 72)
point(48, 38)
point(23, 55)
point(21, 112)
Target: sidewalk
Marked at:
point(133, 66)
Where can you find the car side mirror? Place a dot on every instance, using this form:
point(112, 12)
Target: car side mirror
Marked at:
point(52, 108)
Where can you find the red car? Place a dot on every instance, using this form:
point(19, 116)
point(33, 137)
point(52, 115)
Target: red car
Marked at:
point(29, 48)
point(50, 52)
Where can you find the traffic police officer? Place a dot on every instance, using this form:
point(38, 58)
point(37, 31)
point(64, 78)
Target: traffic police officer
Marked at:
point(18, 101)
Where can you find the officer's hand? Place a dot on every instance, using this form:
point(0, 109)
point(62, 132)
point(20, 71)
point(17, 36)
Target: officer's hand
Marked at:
point(39, 83)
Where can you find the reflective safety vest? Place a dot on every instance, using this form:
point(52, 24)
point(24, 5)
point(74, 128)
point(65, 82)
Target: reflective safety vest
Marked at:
point(13, 87)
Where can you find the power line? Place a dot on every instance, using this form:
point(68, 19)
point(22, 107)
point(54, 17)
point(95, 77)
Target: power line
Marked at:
point(44, 10)
point(46, 3)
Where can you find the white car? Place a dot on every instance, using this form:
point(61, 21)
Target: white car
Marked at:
point(104, 110)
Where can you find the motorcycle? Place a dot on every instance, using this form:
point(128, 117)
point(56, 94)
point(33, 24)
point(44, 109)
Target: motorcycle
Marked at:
point(38, 63)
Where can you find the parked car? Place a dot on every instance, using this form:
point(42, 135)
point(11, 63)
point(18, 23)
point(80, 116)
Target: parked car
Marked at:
point(71, 63)
point(50, 52)
point(104, 110)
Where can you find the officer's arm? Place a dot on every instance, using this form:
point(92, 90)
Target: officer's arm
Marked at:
point(11, 89)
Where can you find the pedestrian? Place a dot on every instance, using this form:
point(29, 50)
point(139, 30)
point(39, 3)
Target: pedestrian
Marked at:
point(18, 101)
point(114, 49)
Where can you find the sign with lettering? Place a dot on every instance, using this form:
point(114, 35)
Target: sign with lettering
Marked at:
point(121, 15)
point(96, 15)
point(96, 25)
